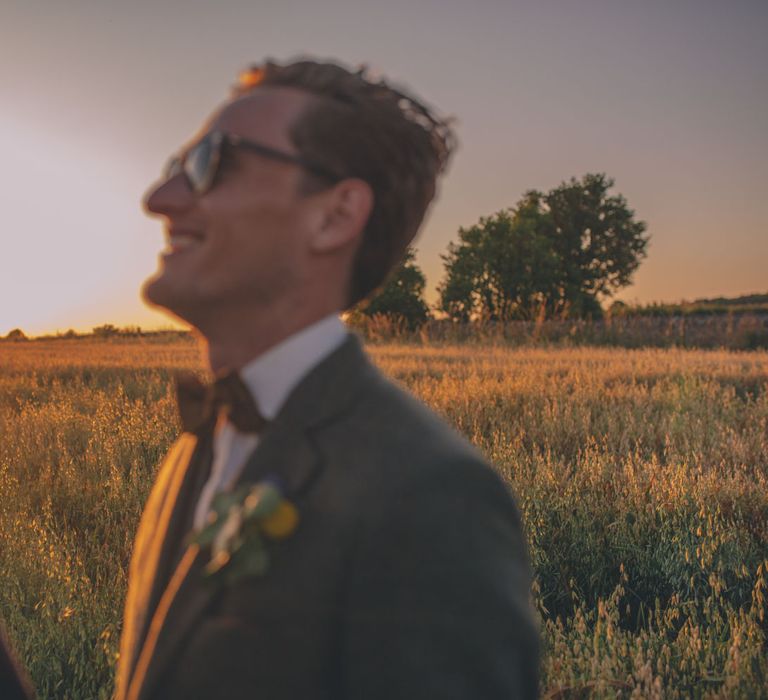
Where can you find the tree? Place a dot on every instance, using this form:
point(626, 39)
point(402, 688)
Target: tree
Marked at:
point(402, 297)
point(558, 254)
point(16, 335)
point(105, 331)
point(502, 267)
point(597, 239)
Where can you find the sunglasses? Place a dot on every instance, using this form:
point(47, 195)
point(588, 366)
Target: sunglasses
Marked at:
point(200, 164)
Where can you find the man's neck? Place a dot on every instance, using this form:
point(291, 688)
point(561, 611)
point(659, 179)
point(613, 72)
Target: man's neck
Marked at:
point(231, 346)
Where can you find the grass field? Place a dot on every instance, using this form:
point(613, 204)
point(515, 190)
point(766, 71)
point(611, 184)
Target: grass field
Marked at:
point(642, 476)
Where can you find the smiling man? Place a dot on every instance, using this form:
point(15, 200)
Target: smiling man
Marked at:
point(315, 532)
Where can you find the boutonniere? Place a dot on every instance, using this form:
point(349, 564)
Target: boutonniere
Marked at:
point(238, 528)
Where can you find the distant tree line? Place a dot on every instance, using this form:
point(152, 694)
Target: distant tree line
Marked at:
point(105, 331)
point(748, 304)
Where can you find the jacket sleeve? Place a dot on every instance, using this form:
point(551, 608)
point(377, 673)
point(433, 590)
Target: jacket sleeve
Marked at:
point(438, 600)
point(14, 683)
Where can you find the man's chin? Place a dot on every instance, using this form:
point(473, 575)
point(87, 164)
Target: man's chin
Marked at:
point(157, 292)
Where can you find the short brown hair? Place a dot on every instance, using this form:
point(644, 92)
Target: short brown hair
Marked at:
point(367, 129)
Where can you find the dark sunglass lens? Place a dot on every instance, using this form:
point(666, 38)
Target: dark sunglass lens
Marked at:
point(197, 165)
point(172, 168)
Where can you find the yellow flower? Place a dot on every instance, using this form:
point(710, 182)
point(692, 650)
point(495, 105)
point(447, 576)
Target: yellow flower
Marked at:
point(282, 522)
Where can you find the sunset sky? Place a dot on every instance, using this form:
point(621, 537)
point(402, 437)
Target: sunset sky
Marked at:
point(668, 98)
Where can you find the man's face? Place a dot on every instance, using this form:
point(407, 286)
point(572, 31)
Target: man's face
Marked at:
point(243, 243)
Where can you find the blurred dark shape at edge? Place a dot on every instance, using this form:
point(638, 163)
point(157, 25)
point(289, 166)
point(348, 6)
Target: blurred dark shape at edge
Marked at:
point(14, 683)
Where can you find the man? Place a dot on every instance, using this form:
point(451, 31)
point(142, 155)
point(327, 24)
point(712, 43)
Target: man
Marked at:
point(315, 532)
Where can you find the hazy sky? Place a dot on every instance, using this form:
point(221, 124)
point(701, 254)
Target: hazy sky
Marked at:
point(668, 98)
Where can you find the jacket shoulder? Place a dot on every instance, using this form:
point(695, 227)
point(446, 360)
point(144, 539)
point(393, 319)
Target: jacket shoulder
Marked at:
point(439, 572)
point(389, 436)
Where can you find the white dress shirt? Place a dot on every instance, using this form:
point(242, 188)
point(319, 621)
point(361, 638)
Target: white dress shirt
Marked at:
point(270, 378)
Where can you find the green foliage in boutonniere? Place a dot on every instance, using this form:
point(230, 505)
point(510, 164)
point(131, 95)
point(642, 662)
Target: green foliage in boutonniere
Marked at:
point(238, 528)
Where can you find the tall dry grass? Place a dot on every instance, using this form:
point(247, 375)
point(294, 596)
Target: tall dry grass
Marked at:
point(642, 476)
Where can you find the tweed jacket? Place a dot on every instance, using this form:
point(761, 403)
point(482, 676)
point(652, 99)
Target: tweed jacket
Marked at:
point(407, 576)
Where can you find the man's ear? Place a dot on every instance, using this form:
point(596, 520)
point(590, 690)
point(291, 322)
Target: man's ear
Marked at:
point(347, 207)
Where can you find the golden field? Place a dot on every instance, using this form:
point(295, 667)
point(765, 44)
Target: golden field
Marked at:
point(642, 476)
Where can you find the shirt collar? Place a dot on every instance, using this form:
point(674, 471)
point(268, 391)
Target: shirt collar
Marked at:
point(273, 375)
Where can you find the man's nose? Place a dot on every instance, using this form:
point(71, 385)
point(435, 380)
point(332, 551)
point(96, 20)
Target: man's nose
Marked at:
point(169, 196)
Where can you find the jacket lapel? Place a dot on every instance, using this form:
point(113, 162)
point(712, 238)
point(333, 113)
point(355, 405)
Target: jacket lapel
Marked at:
point(286, 448)
point(183, 600)
point(286, 451)
point(187, 597)
point(152, 551)
point(285, 454)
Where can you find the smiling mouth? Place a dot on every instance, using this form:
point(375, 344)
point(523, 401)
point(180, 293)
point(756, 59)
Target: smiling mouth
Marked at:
point(179, 241)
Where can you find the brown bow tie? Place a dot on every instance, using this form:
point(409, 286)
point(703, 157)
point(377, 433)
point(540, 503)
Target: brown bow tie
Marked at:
point(200, 403)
